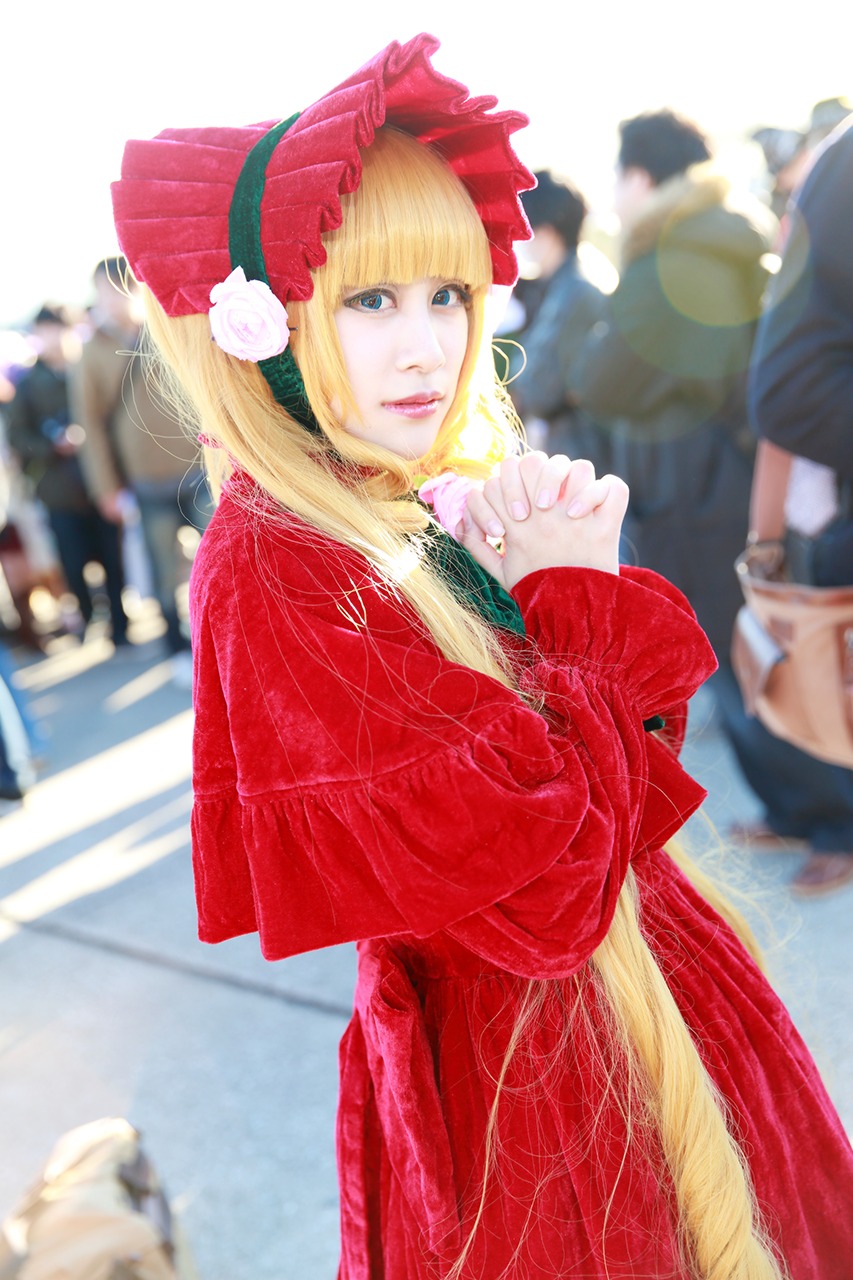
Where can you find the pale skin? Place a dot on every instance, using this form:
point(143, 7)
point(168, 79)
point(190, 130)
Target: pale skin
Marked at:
point(548, 513)
point(403, 341)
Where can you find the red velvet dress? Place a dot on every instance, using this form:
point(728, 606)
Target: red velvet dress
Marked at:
point(352, 784)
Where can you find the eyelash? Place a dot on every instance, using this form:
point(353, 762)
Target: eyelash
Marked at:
point(362, 297)
point(464, 294)
point(352, 302)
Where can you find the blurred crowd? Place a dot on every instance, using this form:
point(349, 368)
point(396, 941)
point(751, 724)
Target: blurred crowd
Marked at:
point(102, 498)
point(715, 375)
point(708, 344)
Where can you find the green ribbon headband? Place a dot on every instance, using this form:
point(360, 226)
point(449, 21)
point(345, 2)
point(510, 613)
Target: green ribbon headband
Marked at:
point(244, 244)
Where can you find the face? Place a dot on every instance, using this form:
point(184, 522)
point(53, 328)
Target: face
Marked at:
point(543, 254)
point(49, 340)
point(122, 308)
point(403, 347)
point(631, 190)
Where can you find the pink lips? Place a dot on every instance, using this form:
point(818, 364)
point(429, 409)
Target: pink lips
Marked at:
point(419, 406)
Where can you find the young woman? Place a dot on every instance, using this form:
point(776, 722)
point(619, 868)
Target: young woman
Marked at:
point(458, 749)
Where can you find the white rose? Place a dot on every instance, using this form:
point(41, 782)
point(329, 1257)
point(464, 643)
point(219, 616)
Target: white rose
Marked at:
point(247, 320)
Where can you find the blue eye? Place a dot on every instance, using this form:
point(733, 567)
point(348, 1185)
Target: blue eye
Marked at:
point(371, 300)
point(451, 295)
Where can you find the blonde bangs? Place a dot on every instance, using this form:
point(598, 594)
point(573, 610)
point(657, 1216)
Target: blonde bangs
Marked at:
point(410, 219)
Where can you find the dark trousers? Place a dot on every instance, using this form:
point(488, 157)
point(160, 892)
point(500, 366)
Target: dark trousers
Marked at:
point(803, 797)
point(82, 537)
point(164, 508)
point(9, 785)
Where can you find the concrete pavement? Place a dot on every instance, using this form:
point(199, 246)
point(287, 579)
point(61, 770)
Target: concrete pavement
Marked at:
point(110, 1006)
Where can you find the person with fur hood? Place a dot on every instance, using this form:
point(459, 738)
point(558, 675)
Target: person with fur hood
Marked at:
point(666, 373)
point(666, 370)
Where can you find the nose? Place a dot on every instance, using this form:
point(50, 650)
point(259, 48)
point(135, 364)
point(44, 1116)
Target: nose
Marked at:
point(420, 342)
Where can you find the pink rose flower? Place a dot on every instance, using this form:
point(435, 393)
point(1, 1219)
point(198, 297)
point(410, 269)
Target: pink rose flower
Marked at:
point(447, 494)
point(247, 320)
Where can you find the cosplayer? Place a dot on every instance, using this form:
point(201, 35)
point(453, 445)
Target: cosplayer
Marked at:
point(458, 749)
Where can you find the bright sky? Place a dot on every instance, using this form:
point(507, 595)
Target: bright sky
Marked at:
point(79, 79)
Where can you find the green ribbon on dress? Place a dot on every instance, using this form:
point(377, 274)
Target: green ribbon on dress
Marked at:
point(472, 585)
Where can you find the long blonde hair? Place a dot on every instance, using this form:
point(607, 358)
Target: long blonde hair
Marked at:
point(411, 218)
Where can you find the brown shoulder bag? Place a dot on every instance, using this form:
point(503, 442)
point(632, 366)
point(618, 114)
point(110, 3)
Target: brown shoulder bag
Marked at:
point(792, 653)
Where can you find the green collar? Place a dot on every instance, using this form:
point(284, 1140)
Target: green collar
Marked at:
point(470, 583)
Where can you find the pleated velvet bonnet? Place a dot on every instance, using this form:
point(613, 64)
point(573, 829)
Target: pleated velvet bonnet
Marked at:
point(241, 212)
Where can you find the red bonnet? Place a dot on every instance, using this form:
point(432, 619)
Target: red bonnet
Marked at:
point(172, 202)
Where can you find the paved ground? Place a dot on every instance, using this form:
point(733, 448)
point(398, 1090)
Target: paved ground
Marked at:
point(109, 1005)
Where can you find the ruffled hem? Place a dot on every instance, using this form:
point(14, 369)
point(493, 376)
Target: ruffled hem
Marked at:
point(407, 851)
point(572, 1189)
point(219, 859)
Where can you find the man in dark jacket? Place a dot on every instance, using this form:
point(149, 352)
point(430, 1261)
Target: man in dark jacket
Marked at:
point(569, 305)
point(801, 397)
point(667, 371)
point(135, 445)
point(47, 444)
point(801, 388)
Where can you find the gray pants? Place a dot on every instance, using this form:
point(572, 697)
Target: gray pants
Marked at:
point(164, 508)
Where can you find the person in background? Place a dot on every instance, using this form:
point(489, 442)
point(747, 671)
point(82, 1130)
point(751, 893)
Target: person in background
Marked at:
point(788, 153)
point(18, 734)
point(666, 370)
point(135, 450)
point(801, 400)
point(670, 368)
point(28, 558)
point(47, 443)
point(783, 152)
point(21, 736)
point(569, 305)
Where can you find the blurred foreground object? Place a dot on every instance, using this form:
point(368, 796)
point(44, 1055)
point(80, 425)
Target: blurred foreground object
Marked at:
point(97, 1212)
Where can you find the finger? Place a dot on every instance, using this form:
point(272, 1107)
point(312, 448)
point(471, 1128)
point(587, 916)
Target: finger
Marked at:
point(590, 498)
point(514, 493)
point(606, 497)
point(482, 512)
point(545, 484)
point(581, 475)
point(493, 492)
point(615, 503)
point(471, 536)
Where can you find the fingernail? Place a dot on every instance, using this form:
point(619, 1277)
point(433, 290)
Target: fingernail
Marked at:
point(544, 500)
point(576, 508)
point(495, 529)
point(519, 511)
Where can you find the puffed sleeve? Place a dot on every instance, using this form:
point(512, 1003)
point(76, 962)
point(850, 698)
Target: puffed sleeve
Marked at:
point(350, 782)
point(603, 667)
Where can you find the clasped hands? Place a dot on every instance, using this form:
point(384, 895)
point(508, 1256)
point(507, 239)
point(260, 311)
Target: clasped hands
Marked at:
point(545, 513)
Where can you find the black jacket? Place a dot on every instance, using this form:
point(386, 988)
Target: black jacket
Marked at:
point(801, 380)
point(38, 413)
point(667, 374)
point(571, 306)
